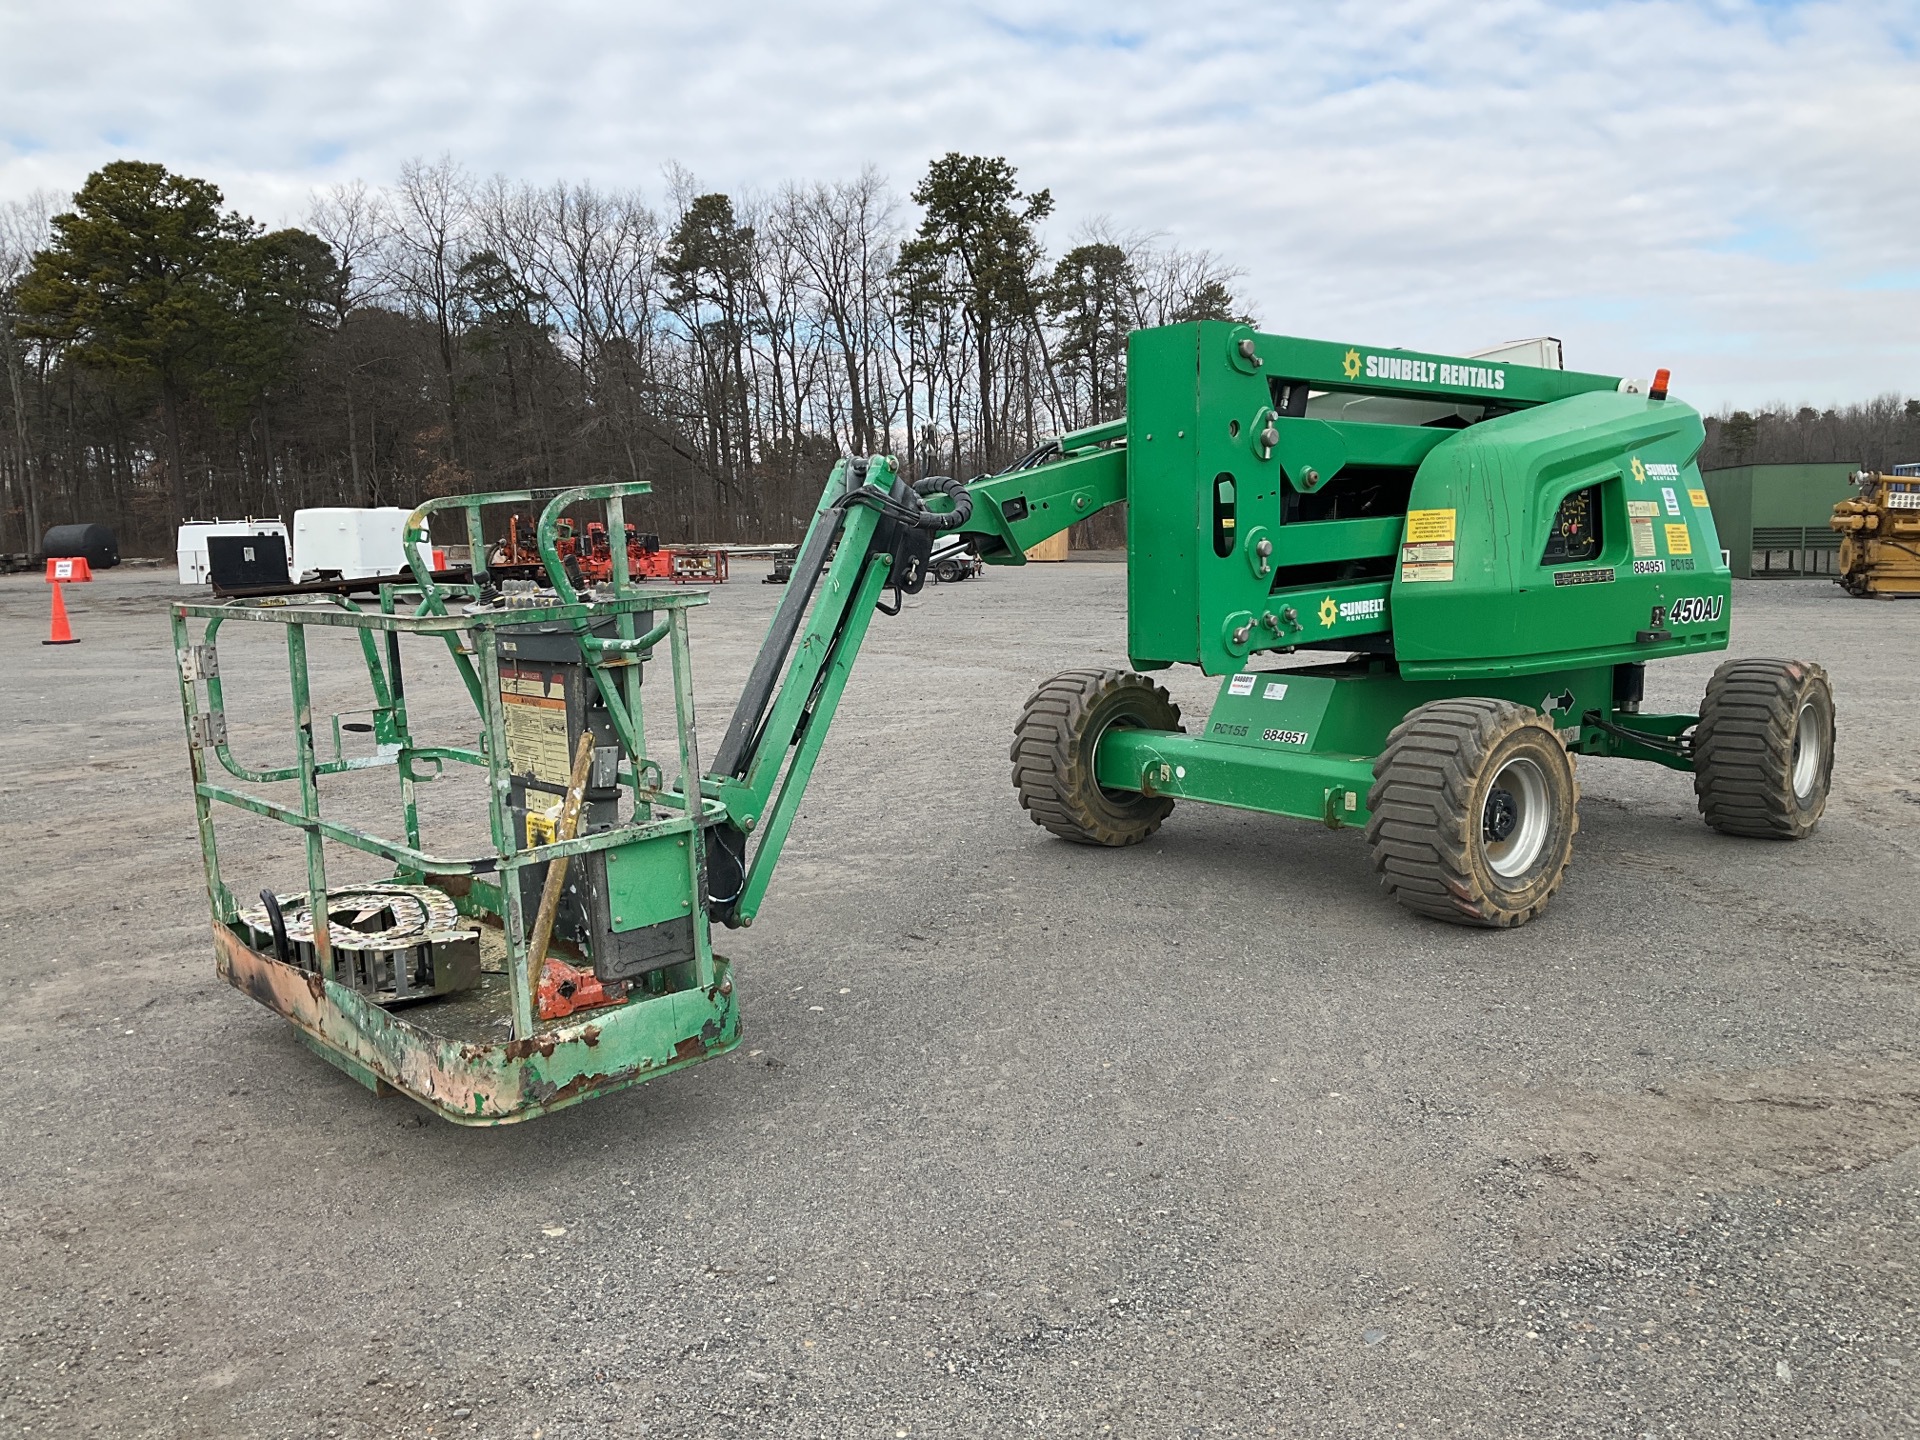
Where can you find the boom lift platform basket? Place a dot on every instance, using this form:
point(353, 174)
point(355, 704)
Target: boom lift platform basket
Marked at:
point(343, 963)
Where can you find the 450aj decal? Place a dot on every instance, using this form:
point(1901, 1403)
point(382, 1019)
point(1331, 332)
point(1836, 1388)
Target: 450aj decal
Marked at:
point(1696, 610)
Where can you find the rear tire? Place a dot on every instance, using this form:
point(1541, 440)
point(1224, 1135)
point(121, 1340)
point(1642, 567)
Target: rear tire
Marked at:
point(1473, 811)
point(1053, 752)
point(1763, 751)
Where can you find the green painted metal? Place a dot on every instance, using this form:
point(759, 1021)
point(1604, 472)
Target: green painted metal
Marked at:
point(767, 798)
point(1769, 508)
point(589, 1054)
point(1013, 513)
point(1283, 495)
point(1301, 742)
point(1286, 494)
point(1201, 588)
point(1506, 610)
point(673, 1019)
point(836, 666)
point(648, 881)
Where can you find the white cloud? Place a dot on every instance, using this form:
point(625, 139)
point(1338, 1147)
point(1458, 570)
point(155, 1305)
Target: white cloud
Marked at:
point(1727, 189)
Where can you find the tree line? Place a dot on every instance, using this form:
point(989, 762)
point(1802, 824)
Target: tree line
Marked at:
point(167, 357)
point(1877, 434)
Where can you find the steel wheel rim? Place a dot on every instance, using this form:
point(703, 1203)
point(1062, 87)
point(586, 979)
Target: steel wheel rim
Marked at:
point(1115, 798)
point(1809, 750)
point(1524, 785)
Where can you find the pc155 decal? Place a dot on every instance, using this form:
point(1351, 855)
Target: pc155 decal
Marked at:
point(1696, 610)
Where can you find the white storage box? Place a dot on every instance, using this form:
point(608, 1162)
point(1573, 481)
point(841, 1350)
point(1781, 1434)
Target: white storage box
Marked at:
point(190, 549)
point(351, 544)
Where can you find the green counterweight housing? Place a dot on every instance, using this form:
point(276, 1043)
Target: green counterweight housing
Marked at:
point(1478, 558)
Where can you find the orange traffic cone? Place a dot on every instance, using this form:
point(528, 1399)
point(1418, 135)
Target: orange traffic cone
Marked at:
point(62, 632)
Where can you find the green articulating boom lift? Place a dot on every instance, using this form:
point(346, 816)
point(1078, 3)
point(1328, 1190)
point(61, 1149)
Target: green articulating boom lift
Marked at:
point(1488, 554)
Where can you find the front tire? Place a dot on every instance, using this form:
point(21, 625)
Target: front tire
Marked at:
point(1053, 751)
point(1763, 750)
point(1473, 811)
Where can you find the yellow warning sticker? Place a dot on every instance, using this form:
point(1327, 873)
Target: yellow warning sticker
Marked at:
point(1414, 574)
point(1642, 537)
point(1428, 525)
point(1679, 542)
point(537, 738)
point(1648, 508)
point(1699, 499)
point(531, 683)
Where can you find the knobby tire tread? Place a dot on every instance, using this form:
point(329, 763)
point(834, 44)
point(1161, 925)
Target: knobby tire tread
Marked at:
point(1053, 754)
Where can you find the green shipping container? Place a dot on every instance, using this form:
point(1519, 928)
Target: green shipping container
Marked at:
point(1772, 519)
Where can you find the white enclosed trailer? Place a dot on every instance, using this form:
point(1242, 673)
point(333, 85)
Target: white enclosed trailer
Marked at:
point(190, 547)
point(344, 543)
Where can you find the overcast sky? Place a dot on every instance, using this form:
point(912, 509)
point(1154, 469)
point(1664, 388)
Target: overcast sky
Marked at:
point(1725, 187)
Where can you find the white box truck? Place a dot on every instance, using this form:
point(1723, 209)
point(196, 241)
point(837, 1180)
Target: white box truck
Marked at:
point(345, 543)
point(190, 547)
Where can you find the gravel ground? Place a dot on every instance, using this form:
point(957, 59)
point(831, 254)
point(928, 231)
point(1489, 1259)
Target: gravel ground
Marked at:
point(1199, 1138)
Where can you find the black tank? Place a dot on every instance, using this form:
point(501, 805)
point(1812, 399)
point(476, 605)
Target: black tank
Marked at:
point(96, 542)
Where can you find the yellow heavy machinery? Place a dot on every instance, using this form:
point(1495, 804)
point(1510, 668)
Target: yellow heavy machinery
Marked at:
point(1880, 534)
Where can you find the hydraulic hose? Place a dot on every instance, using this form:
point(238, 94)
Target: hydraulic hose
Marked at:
point(954, 490)
point(915, 514)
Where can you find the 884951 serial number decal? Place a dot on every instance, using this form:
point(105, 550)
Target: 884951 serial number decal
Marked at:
point(1284, 737)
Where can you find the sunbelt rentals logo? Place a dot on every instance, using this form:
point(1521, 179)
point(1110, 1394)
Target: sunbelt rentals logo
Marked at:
point(1402, 368)
point(1332, 610)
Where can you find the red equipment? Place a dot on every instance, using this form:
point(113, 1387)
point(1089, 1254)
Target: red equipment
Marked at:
point(566, 988)
point(59, 572)
point(592, 556)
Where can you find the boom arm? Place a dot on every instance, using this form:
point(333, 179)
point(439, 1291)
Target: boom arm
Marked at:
point(1061, 484)
point(871, 531)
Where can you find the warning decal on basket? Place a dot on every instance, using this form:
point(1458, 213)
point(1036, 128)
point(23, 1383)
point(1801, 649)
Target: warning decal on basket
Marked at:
point(536, 737)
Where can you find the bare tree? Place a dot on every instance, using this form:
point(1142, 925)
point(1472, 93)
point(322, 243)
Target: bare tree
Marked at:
point(725, 348)
point(24, 228)
point(430, 238)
